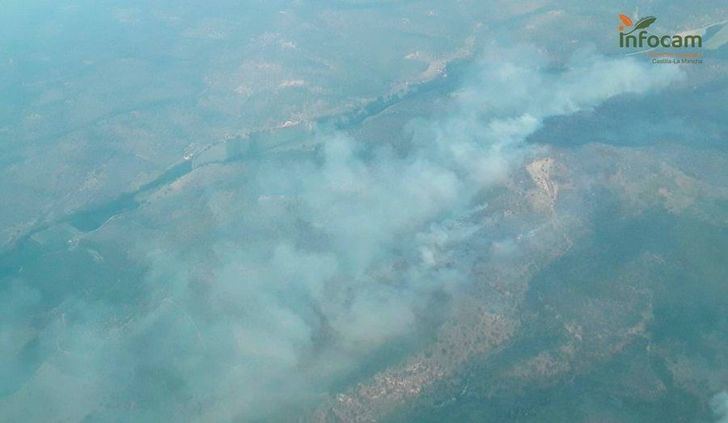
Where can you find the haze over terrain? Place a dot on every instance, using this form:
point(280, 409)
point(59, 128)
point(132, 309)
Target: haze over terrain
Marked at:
point(361, 210)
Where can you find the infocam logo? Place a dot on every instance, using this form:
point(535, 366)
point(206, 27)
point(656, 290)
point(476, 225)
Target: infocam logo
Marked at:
point(644, 39)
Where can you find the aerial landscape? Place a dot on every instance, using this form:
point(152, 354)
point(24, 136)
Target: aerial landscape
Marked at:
point(363, 211)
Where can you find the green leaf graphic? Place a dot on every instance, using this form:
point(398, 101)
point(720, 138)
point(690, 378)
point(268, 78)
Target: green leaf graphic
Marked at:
point(643, 23)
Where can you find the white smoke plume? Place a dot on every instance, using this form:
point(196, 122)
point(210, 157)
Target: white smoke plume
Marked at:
point(316, 262)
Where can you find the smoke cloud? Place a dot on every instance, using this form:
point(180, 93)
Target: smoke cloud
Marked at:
point(315, 261)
